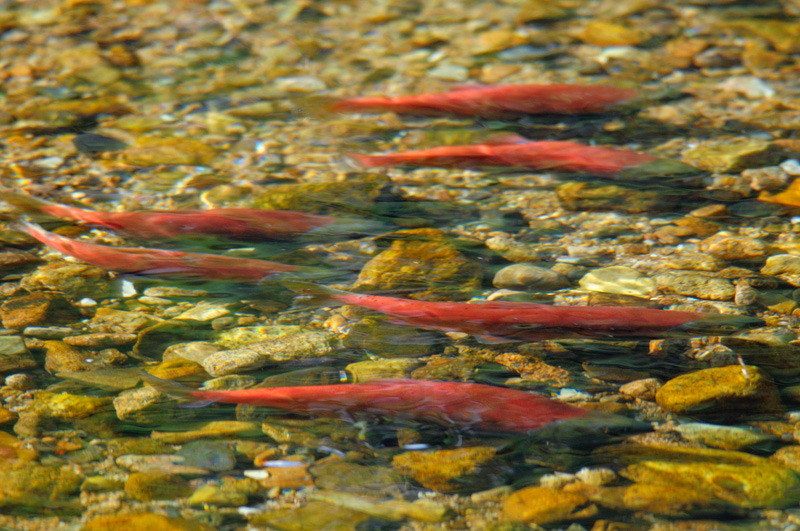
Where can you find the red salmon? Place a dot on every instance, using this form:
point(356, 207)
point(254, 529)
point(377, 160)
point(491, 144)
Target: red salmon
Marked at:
point(234, 223)
point(501, 102)
point(515, 151)
point(462, 405)
point(499, 322)
point(160, 262)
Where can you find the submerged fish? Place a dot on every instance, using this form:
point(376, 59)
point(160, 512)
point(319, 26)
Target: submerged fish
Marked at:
point(498, 322)
point(160, 262)
point(234, 223)
point(462, 405)
point(516, 151)
point(500, 102)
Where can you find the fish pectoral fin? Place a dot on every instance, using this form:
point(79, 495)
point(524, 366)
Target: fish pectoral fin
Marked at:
point(486, 338)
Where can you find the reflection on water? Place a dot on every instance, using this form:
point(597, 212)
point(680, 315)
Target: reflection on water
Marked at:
point(340, 211)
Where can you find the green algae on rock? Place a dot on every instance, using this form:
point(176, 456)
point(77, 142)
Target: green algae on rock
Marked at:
point(74, 281)
point(143, 520)
point(35, 309)
point(148, 486)
point(602, 196)
point(721, 392)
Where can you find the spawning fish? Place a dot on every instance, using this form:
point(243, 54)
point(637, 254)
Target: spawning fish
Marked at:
point(499, 322)
point(234, 223)
point(462, 405)
point(500, 102)
point(516, 151)
point(160, 262)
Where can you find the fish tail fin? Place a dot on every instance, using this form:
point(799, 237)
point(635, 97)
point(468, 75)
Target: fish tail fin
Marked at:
point(24, 202)
point(314, 294)
point(168, 387)
point(361, 161)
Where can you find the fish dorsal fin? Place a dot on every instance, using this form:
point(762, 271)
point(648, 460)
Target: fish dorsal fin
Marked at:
point(507, 305)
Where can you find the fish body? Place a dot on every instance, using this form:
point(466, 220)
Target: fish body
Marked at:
point(559, 156)
point(462, 405)
point(496, 322)
point(233, 223)
point(160, 262)
point(500, 102)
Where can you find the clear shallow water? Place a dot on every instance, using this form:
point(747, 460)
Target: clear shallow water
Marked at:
point(211, 105)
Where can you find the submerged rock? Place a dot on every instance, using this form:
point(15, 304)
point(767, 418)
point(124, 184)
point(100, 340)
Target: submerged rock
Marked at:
point(529, 277)
point(149, 486)
point(422, 263)
point(139, 521)
point(620, 280)
point(721, 392)
point(37, 309)
point(547, 505)
point(451, 470)
point(75, 281)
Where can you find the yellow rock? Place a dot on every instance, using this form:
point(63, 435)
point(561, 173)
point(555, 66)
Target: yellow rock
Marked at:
point(154, 151)
point(731, 391)
point(148, 521)
point(441, 470)
point(220, 428)
point(544, 505)
point(603, 33)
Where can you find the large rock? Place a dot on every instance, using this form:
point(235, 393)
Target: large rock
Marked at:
point(75, 281)
point(424, 264)
point(546, 505)
point(721, 392)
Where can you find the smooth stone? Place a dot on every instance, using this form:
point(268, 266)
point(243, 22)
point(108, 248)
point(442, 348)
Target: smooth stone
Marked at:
point(49, 332)
point(213, 495)
point(722, 437)
point(143, 405)
point(111, 379)
point(62, 357)
point(14, 355)
point(208, 454)
point(364, 371)
point(101, 340)
point(721, 393)
point(206, 311)
point(529, 277)
point(619, 280)
point(582, 196)
point(644, 389)
point(149, 486)
point(94, 143)
point(155, 150)
point(68, 406)
point(451, 470)
point(546, 505)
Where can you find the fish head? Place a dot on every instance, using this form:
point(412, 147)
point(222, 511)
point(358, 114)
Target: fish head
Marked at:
point(717, 325)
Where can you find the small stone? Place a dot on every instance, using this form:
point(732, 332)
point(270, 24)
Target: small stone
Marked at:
point(303, 84)
point(723, 437)
point(750, 86)
point(94, 143)
point(205, 311)
point(602, 33)
point(644, 389)
point(393, 510)
point(139, 521)
point(727, 392)
point(784, 266)
point(165, 463)
point(213, 495)
point(449, 72)
point(196, 351)
point(529, 277)
point(62, 357)
point(371, 480)
point(727, 246)
point(620, 280)
point(101, 340)
point(769, 178)
point(364, 371)
point(210, 455)
point(154, 151)
point(149, 486)
point(596, 476)
point(625, 198)
point(20, 382)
